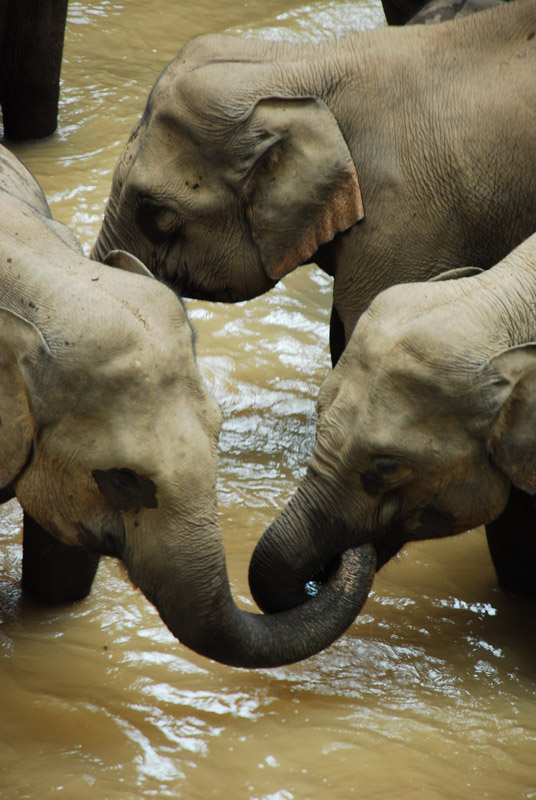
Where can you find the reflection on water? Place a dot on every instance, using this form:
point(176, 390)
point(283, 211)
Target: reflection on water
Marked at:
point(431, 694)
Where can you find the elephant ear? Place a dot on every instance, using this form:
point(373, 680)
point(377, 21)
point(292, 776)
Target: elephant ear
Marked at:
point(456, 274)
point(512, 441)
point(123, 260)
point(18, 339)
point(300, 181)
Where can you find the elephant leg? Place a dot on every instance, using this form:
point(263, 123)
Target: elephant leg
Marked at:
point(54, 572)
point(6, 494)
point(512, 544)
point(337, 339)
point(32, 34)
point(398, 12)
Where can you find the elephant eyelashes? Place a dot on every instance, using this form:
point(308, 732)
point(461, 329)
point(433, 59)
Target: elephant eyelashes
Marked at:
point(125, 490)
point(156, 221)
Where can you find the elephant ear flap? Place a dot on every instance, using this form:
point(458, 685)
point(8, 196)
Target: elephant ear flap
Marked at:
point(302, 189)
point(456, 274)
point(123, 260)
point(512, 440)
point(18, 338)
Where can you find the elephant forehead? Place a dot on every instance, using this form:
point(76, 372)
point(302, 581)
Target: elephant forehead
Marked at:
point(428, 356)
point(129, 347)
point(211, 102)
point(385, 401)
point(168, 144)
point(438, 323)
point(177, 164)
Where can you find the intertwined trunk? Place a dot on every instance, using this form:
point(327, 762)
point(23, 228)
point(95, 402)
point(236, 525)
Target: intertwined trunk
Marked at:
point(197, 606)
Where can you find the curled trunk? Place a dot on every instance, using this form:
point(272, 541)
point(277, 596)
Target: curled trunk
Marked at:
point(305, 544)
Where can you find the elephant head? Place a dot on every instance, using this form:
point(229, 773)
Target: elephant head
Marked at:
point(233, 177)
point(108, 439)
point(424, 424)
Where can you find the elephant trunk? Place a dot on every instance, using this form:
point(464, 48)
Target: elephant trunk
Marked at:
point(304, 544)
point(106, 241)
point(116, 231)
point(192, 594)
point(101, 247)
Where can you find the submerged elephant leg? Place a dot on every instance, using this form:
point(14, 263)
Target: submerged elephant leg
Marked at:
point(30, 66)
point(52, 571)
point(398, 12)
point(512, 544)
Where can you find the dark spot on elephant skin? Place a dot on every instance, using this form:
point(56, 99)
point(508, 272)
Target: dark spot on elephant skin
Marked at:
point(531, 36)
point(125, 490)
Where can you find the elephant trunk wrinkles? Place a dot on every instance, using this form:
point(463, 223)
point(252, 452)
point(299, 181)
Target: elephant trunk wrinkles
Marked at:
point(105, 241)
point(100, 249)
point(196, 604)
point(302, 541)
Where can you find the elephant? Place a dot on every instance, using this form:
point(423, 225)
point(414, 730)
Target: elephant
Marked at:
point(31, 50)
point(385, 156)
point(427, 428)
point(108, 439)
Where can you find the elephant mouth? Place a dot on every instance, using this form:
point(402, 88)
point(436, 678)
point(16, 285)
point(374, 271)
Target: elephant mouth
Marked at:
point(222, 296)
point(185, 287)
point(180, 278)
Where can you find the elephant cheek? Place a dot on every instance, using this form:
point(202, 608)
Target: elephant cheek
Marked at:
point(106, 536)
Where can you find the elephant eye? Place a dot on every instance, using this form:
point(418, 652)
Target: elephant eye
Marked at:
point(157, 221)
point(386, 473)
point(125, 490)
point(384, 465)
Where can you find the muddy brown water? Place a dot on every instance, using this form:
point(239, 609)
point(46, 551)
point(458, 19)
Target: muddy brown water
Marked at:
point(432, 692)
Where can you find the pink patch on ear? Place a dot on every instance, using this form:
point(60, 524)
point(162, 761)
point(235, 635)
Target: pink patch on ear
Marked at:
point(344, 209)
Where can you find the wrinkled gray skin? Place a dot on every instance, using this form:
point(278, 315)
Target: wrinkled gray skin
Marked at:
point(385, 156)
point(108, 440)
point(427, 426)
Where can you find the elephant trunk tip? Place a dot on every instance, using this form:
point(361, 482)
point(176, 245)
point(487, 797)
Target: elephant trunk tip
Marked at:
point(347, 579)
